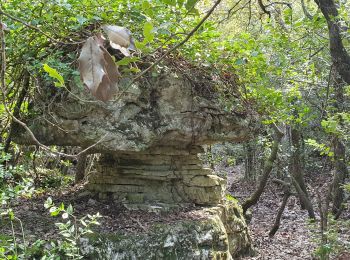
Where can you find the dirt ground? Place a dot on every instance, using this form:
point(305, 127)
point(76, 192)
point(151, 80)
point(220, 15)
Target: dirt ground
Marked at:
point(295, 237)
point(292, 241)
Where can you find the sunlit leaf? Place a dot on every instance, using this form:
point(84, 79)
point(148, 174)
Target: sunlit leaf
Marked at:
point(55, 75)
point(148, 31)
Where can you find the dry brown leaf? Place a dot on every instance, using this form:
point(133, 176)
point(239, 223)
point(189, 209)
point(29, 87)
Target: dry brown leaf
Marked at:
point(100, 39)
point(97, 69)
point(118, 35)
point(111, 67)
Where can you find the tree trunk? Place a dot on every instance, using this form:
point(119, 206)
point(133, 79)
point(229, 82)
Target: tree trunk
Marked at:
point(296, 169)
point(254, 198)
point(340, 57)
point(277, 223)
point(341, 61)
point(341, 172)
point(80, 169)
point(304, 199)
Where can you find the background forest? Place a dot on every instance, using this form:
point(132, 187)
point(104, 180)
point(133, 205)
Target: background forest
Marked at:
point(289, 62)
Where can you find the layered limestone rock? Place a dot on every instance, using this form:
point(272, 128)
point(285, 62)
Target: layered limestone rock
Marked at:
point(157, 177)
point(149, 137)
point(221, 233)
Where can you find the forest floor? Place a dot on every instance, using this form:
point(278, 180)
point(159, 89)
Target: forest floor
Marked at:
point(293, 240)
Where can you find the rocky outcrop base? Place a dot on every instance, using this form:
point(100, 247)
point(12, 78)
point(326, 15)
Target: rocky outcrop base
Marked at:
point(218, 232)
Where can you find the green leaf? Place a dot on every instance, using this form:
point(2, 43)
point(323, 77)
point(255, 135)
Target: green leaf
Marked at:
point(81, 19)
point(190, 4)
point(70, 209)
point(55, 75)
point(147, 8)
point(169, 2)
point(148, 31)
point(127, 60)
point(48, 203)
point(141, 46)
point(83, 222)
point(180, 3)
point(11, 215)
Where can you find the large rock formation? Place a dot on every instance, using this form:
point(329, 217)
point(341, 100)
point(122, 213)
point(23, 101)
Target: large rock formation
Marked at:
point(149, 137)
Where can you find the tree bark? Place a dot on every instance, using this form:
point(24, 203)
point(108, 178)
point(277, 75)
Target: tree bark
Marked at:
point(341, 172)
point(80, 168)
point(296, 168)
point(254, 198)
point(249, 162)
point(304, 199)
point(277, 223)
point(340, 57)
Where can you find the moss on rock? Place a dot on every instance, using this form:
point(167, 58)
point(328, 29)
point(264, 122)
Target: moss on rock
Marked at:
point(220, 233)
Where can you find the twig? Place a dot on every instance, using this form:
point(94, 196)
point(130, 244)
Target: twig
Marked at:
point(279, 3)
point(230, 11)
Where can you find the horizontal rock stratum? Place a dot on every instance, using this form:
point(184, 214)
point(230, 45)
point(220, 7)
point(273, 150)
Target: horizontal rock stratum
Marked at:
point(149, 136)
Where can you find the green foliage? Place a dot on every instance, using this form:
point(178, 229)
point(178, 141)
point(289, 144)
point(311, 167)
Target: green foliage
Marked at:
point(337, 124)
point(11, 184)
point(71, 231)
point(322, 148)
point(280, 66)
point(328, 241)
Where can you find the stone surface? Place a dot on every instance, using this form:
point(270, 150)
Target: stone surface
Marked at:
point(138, 178)
point(163, 111)
point(149, 137)
point(220, 233)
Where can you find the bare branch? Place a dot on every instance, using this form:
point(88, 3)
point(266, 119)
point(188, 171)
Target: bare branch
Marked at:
point(263, 8)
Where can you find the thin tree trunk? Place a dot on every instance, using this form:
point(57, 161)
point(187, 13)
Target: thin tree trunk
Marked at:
point(304, 199)
point(340, 56)
point(341, 172)
point(250, 172)
point(80, 168)
point(277, 223)
point(254, 198)
point(341, 61)
point(296, 168)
